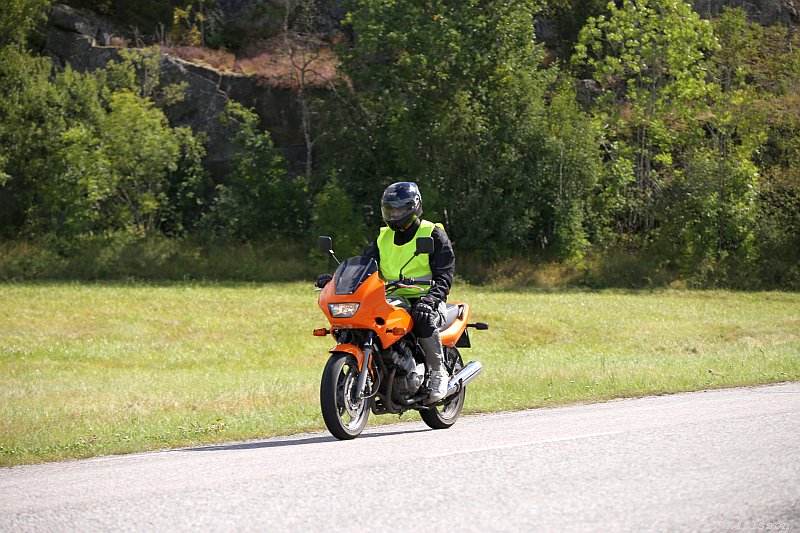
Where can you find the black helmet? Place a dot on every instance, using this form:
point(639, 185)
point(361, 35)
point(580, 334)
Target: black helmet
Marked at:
point(401, 204)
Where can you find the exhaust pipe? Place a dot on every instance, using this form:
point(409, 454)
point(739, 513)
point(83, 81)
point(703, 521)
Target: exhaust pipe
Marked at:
point(464, 376)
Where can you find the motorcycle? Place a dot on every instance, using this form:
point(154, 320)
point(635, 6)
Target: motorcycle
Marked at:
point(377, 364)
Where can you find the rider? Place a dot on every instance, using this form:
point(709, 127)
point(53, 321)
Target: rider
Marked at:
point(401, 206)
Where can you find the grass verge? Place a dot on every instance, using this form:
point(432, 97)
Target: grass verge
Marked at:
point(97, 369)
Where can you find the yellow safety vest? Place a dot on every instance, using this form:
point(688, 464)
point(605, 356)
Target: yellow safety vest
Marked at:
point(393, 258)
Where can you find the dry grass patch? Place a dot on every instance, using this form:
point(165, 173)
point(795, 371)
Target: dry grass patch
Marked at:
point(277, 62)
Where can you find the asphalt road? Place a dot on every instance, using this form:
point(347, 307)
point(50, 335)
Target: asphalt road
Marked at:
point(707, 461)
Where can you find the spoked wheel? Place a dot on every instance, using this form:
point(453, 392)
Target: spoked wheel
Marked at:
point(345, 415)
point(445, 415)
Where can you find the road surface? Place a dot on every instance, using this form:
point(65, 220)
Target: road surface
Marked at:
point(726, 460)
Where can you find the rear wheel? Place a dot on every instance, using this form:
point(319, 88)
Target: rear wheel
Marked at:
point(445, 415)
point(345, 415)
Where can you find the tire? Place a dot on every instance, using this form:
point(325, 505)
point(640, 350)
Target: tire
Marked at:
point(344, 417)
point(445, 415)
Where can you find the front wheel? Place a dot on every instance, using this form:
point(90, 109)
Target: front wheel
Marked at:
point(345, 415)
point(445, 415)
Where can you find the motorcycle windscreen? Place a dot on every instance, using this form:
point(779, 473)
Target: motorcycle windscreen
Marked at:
point(352, 273)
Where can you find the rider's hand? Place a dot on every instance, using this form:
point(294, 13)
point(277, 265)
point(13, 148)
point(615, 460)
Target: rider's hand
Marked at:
point(323, 280)
point(430, 301)
point(425, 318)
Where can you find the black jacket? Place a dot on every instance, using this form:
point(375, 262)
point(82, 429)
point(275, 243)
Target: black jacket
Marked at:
point(442, 260)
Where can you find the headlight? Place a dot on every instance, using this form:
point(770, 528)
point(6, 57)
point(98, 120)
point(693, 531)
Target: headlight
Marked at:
point(342, 310)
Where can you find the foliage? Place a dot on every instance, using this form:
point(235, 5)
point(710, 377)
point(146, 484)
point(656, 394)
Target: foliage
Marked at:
point(679, 105)
point(139, 71)
point(29, 122)
point(129, 257)
point(260, 199)
point(146, 16)
point(189, 22)
point(454, 98)
point(650, 59)
point(335, 214)
point(188, 186)
point(85, 154)
point(774, 73)
point(136, 70)
point(573, 175)
point(140, 146)
point(567, 18)
point(682, 157)
point(711, 206)
point(19, 17)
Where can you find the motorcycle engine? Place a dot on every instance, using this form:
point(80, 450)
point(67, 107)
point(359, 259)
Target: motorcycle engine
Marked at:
point(410, 374)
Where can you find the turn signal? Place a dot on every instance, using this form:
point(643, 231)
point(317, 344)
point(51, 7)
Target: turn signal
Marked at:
point(397, 331)
point(320, 332)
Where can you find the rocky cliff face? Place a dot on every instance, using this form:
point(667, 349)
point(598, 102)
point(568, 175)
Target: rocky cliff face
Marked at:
point(761, 11)
point(79, 38)
point(265, 18)
point(84, 41)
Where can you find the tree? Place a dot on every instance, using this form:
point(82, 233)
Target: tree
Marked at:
point(189, 185)
point(651, 59)
point(304, 50)
point(18, 17)
point(259, 200)
point(567, 17)
point(81, 157)
point(773, 71)
point(455, 97)
point(142, 17)
point(710, 207)
point(573, 174)
point(139, 71)
point(30, 125)
point(142, 150)
point(334, 213)
point(189, 22)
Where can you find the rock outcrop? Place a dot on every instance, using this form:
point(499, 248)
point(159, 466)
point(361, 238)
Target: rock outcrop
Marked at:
point(83, 40)
point(265, 18)
point(79, 38)
point(762, 11)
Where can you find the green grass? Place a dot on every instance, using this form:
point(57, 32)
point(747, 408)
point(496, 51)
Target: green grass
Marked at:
point(97, 369)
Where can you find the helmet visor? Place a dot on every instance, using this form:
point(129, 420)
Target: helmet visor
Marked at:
point(397, 211)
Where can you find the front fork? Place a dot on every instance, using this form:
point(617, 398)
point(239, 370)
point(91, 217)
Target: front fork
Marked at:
point(362, 376)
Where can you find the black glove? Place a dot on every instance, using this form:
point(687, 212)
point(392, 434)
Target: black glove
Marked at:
point(323, 280)
point(430, 301)
point(424, 319)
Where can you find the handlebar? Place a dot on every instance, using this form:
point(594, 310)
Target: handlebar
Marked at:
point(410, 283)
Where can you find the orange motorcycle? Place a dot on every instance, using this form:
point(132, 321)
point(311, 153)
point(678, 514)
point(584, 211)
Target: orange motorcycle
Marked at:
point(377, 363)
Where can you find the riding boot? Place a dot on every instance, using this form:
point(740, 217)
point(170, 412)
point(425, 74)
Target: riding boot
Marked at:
point(434, 357)
point(434, 353)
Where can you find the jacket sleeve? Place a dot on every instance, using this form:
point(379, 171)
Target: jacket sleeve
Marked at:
point(443, 264)
point(371, 250)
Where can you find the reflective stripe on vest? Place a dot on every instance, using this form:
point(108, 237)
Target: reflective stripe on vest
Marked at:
point(393, 258)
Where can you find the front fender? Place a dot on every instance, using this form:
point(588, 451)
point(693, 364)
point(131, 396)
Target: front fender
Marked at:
point(353, 350)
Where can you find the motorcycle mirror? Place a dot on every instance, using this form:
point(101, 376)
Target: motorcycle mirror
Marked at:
point(424, 245)
point(325, 244)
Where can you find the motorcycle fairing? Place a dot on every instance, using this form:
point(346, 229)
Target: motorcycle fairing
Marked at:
point(374, 312)
point(451, 335)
